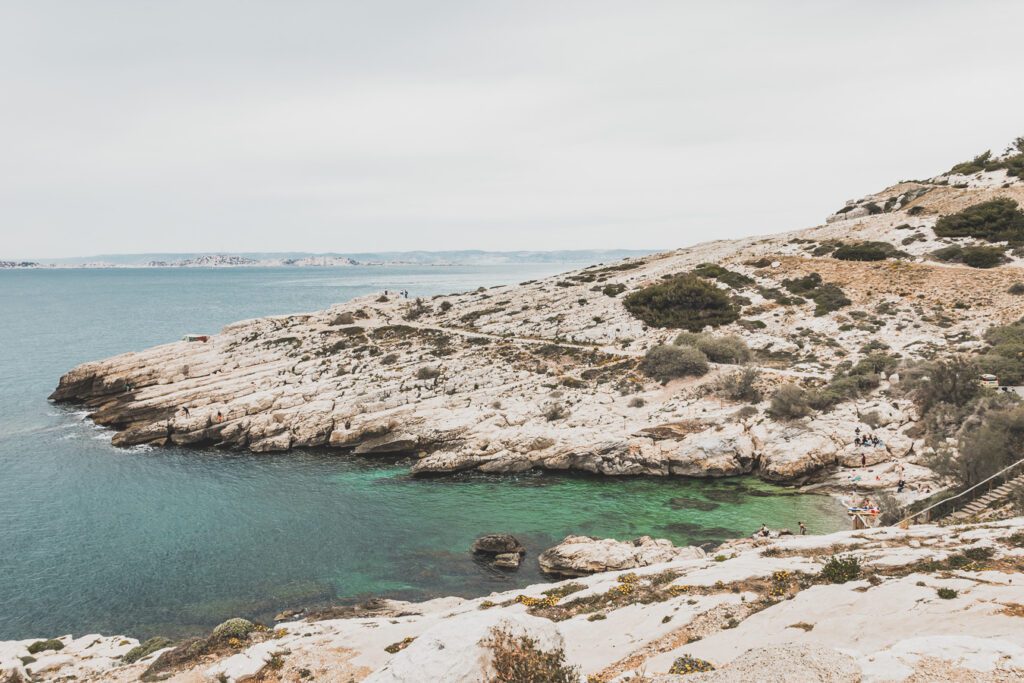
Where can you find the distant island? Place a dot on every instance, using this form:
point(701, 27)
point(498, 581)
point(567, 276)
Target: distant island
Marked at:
point(327, 260)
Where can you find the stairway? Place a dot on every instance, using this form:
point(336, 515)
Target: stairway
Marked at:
point(994, 496)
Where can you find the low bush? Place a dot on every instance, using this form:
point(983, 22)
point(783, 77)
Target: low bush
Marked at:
point(983, 257)
point(689, 665)
point(43, 645)
point(682, 301)
point(973, 256)
point(1016, 288)
point(840, 569)
point(728, 349)
point(428, 372)
point(555, 411)
point(613, 289)
point(666, 362)
point(997, 220)
point(1012, 161)
point(742, 386)
point(827, 297)
point(723, 275)
point(946, 593)
point(518, 659)
point(145, 649)
point(789, 402)
point(867, 251)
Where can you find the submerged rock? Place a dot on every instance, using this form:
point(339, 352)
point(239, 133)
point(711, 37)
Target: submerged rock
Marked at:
point(582, 555)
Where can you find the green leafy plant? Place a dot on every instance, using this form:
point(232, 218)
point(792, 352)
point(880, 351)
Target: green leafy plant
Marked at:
point(683, 301)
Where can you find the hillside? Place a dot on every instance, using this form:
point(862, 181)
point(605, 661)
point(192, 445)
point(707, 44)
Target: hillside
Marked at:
point(555, 374)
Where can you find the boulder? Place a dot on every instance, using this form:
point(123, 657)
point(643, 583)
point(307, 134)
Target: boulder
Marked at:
point(456, 650)
point(582, 555)
point(508, 560)
point(498, 544)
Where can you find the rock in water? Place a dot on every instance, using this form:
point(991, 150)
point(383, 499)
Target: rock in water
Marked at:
point(498, 544)
point(508, 560)
point(582, 555)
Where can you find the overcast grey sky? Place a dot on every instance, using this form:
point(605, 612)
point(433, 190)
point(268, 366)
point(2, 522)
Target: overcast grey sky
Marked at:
point(145, 125)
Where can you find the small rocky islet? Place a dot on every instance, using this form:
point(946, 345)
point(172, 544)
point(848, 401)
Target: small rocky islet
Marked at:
point(785, 357)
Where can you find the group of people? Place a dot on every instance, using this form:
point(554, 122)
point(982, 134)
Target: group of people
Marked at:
point(866, 439)
point(765, 532)
point(402, 293)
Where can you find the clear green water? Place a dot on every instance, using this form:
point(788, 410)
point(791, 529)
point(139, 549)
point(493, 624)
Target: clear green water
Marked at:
point(93, 538)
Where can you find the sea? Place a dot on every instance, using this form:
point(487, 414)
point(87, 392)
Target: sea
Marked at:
point(171, 541)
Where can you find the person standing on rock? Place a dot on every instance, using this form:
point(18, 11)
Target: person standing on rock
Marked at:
point(863, 460)
point(184, 409)
point(803, 529)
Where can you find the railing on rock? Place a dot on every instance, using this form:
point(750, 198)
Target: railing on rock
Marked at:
point(949, 501)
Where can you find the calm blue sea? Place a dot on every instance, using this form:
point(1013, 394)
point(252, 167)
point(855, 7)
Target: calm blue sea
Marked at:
point(170, 542)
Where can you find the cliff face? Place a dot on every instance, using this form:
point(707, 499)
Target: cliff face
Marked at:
point(928, 604)
point(546, 374)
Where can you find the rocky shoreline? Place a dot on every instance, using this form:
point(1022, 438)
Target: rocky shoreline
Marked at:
point(885, 604)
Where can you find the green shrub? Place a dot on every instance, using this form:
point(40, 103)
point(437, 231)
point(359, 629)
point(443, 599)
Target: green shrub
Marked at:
point(728, 349)
point(613, 289)
point(828, 298)
point(867, 251)
point(43, 645)
point(1016, 288)
point(666, 362)
point(996, 220)
point(688, 665)
point(723, 275)
point(973, 256)
point(1012, 161)
point(840, 569)
point(428, 372)
point(233, 628)
point(145, 649)
point(803, 285)
point(789, 402)
point(742, 386)
point(518, 659)
point(953, 381)
point(839, 390)
point(986, 448)
point(983, 257)
point(946, 593)
point(682, 301)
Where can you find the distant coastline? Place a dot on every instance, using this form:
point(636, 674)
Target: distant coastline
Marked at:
point(326, 260)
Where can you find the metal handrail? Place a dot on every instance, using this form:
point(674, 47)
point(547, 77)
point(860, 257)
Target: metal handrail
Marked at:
point(962, 493)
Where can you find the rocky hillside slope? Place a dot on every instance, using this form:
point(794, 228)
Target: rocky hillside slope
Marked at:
point(927, 604)
point(551, 374)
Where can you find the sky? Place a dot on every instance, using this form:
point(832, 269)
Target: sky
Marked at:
point(218, 125)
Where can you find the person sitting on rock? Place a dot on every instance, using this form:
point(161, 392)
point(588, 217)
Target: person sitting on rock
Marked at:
point(763, 531)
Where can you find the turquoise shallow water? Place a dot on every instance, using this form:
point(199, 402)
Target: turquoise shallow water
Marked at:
point(94, 538)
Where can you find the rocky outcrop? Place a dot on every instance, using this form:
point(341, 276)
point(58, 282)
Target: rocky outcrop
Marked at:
point(457, 650)
point(582, 555)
